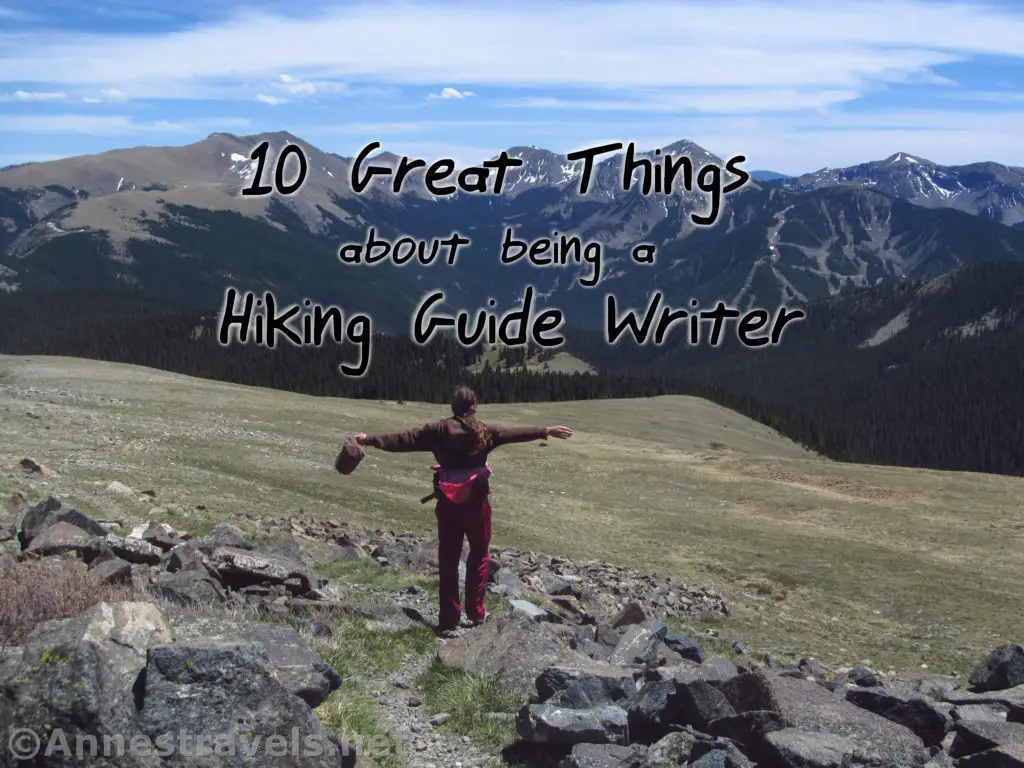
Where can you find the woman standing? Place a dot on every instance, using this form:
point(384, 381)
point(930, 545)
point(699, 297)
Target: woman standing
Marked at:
point(461, 444)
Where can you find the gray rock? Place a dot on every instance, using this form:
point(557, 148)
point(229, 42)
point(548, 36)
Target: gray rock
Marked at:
point(189, 588)
point(654, 711)
point(552, 584)
point(583, 687)
point(10, 658)
point(291, 661)
point(239, 568)
point(527, 610)
point(113, 571)
point(549, 724)
point(700, 702)
point(809, 749)
point(513, 650)
point(995, 713)
point(133, 550)
point(227, 689)
point(506, 577)
point(78, 674)
point(63, 538)
point(673, 749)
point(685, 646)
point(927, 718)
point(631, 613)
point(227, 535)
point(808, 706)
point(38, 518)
point(638, 646)
point(713, 669)
point(1011, 756)
point(1003, 668)
point(605, 756)
point(974, 736)
point(189, 555)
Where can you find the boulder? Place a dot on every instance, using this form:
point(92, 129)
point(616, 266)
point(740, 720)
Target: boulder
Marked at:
point(807, 706)
point(929, 719)
point(1003, 668)
point(551, 724)
point(64, 538)
point(300, 670)
point(228, 691)
point(41, 516)
point(511, 649)
point(239, 568)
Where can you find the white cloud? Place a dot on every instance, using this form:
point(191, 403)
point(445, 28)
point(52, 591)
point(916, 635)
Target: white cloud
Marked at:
point(725, 101)
point(656, 44)
point(801, 143)
point(111, 125)
point(113, 95)
point(297, 87)
point(272, 100)
point(450, 93)
point(33, 96)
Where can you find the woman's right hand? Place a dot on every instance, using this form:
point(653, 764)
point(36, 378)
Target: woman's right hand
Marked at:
point(562, 433)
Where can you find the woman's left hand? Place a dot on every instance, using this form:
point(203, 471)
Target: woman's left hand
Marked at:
point(359, 437)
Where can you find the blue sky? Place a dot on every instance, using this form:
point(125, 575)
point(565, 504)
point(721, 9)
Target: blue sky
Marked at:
point(794, 86)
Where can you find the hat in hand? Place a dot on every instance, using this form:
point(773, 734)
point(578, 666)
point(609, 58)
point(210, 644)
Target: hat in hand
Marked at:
point(349, 457)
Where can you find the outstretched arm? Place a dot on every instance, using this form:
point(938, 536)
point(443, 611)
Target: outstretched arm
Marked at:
point(418, 439)
point(506, 435)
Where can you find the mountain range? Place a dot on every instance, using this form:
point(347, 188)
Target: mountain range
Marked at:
point(170, 221)
point(911, 273)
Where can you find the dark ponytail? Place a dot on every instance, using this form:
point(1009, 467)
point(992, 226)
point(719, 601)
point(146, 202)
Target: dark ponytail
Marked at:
point(464, 411)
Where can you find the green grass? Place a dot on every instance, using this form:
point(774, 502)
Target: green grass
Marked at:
point(352, 713)
point(817, 558)
point(359, 654)
point(356, 651)
point(370, 573)
point(469, 699)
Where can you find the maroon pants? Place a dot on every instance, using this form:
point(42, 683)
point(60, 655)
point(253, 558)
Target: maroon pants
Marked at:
point(471, 520)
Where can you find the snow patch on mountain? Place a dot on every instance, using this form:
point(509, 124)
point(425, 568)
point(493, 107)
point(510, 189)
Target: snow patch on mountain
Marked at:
point(889, 330)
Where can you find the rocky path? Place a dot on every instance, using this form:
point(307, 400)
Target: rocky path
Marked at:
point(422, 743)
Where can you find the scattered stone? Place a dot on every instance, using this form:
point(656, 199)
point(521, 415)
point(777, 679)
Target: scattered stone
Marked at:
point(609, 684)
point(120, 489)
point(36, 468)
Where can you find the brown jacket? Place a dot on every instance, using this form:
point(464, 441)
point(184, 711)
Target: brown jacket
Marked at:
point(451, 442)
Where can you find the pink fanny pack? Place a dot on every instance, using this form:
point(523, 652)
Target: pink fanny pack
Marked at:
point(458, 484)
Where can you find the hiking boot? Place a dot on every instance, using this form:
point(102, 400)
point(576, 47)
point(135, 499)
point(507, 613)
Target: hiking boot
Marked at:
point(450, 634)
